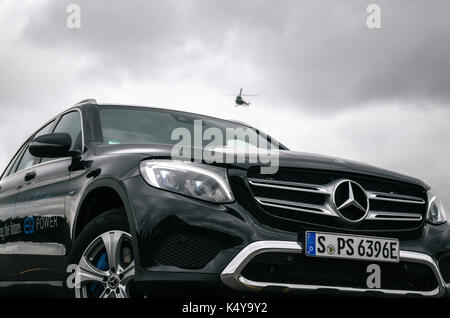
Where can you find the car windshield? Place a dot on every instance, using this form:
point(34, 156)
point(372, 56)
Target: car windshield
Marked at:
point(138, 125)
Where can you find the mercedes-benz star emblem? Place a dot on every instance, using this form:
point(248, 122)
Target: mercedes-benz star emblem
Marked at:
point(350, 201)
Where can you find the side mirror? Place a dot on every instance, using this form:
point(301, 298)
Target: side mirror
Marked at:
point(51, 146)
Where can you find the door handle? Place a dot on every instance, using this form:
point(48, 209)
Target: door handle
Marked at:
point(30, 176)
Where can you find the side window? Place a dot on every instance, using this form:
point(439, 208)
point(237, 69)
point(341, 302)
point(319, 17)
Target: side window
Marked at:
point(45, 130)
point(70, 123)
point(28, 160)
point(13, 163)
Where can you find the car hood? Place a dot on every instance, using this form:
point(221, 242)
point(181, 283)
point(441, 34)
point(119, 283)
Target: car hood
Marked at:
point(287, 158)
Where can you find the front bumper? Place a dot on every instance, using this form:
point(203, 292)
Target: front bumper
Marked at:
point(156, 211)
point(232, 274)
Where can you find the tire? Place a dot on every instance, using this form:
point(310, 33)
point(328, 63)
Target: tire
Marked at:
point(101, 264)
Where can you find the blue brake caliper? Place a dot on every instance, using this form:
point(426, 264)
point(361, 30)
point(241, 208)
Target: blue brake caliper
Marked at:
point(102, 264)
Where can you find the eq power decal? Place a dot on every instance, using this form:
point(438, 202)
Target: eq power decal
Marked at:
point(28, 225)
point(34, 224)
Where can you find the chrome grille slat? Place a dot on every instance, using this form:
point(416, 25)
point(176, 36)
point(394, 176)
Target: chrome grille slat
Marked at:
point(295, 206)
point(380, 196)
point(293, 186)
point(393, 216)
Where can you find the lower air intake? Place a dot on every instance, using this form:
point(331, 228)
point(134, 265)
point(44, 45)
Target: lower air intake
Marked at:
point(188, 247)
point(287, 268)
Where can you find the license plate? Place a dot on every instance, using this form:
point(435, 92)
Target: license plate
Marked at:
point(352, 247)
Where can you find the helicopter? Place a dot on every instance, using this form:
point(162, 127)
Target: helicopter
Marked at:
point(240, 101)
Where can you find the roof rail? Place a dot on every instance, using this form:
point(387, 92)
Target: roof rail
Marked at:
point(87, 101)
point(240, 122)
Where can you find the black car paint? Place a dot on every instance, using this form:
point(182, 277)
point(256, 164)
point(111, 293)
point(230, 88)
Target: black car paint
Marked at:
point(60, 188)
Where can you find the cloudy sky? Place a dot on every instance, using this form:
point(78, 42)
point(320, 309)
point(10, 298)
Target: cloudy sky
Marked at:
point(326, 82)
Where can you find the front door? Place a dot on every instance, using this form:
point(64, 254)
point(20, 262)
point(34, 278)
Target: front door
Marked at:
point(41, 209)
point(10, 228)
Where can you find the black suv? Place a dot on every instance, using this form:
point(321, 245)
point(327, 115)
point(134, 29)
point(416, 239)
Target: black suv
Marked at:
point(96, 203)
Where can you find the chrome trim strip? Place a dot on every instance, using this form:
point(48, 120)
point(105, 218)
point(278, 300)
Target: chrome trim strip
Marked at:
point(54, 283)
point(231, 275)
point(32, 248)
point(40, 164)
point(295, 206)
point(285, 185)
point(394, 197)
point(393, 216)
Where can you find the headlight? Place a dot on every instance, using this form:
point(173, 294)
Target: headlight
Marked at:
point(200, 181)
point(436, 211)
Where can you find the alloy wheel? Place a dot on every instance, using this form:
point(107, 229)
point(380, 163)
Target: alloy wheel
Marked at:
point(106, 267)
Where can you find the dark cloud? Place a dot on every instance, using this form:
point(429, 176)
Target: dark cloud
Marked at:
point(314, 53)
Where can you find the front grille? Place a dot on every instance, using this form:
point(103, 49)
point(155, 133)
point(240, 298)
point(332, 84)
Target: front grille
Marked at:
point(321, 177)
point(305, 196)
point(287, 268)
